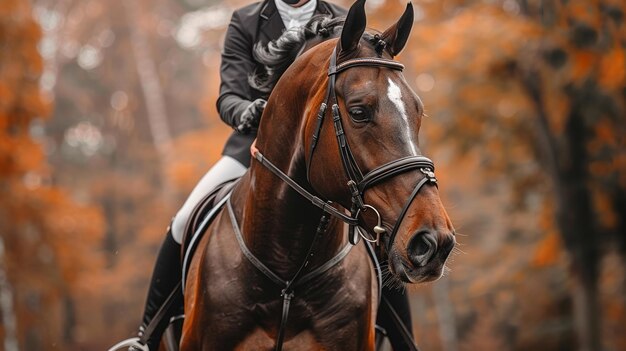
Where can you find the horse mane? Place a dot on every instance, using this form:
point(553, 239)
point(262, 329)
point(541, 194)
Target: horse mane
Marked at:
point(278, 54)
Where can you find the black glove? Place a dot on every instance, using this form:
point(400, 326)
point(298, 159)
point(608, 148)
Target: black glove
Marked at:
point(251, 116)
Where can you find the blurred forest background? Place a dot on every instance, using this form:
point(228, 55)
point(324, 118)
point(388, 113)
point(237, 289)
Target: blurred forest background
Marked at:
point(107, 120)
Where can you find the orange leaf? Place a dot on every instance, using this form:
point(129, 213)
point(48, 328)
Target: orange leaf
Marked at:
point(613, 69)
point(547, 251)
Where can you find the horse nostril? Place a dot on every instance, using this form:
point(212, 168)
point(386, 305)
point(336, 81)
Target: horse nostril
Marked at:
point(447, 245)
point(421, 248)
point(418, 245)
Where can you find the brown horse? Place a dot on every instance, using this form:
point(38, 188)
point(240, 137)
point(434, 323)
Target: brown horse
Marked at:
point(235, 295)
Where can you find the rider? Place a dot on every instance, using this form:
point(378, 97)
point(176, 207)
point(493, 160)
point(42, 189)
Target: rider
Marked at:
point(240, 106)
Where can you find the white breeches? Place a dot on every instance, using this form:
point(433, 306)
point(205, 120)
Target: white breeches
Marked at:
point(225, 169)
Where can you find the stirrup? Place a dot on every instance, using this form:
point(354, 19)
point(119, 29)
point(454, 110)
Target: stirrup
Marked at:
point(132, 344)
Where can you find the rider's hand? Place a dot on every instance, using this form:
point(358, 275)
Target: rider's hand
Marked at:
point(250, 117)
point(253, 149)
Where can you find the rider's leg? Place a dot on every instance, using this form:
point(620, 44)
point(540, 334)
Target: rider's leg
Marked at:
point(399, 301)
point(165, 276)
point(226, 168)
point(167, 270)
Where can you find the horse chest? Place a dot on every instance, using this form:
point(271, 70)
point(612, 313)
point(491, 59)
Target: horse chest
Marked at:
point(325, 315)
point(258, 339)
point(317, 324)
point(332, 312)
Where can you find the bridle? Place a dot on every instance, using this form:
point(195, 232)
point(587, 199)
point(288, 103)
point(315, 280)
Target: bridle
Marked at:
point(357, 183)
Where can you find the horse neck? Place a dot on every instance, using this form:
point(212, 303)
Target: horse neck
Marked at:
point(279, 224)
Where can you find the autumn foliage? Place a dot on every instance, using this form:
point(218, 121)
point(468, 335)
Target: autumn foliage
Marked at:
point(50, 242)
point(526, 105)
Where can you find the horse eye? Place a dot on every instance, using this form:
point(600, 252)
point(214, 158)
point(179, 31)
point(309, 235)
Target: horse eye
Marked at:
point(358, 114)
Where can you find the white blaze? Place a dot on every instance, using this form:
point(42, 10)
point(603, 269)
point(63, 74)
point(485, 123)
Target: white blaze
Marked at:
point(395, 96)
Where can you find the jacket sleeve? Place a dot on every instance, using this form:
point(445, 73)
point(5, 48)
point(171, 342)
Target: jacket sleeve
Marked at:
point(237, 63)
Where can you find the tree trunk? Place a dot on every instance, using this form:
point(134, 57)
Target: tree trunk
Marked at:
point(69, 320)
point(619, 234)
point(152, 91)
point(587, 311)
point(565, 160)
point(576, 218)
point(445, 312)
point(9, 321)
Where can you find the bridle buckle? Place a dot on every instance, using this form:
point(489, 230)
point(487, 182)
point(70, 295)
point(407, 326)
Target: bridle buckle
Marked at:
point(429, 174)
point(357, 199)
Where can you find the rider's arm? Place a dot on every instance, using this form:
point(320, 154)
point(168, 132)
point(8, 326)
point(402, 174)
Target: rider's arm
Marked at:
point(237, 64)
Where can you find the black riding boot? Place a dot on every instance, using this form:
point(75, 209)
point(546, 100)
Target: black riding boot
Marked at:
point(165, 277)
point(399, 301)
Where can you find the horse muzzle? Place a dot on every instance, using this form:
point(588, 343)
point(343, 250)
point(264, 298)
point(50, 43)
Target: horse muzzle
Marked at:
point(424, 256)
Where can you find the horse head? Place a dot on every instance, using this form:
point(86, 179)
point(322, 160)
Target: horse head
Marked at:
point(381, 118)
point(363, 141)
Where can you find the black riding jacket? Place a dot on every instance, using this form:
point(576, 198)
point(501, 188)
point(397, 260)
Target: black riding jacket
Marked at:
point(258, 22)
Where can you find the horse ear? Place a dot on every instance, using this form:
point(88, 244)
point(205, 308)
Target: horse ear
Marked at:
point(353, 28)
point(397, 35)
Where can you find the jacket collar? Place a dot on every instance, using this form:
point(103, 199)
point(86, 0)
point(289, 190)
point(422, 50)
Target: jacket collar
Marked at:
point(271, 25)
point(322, 8)
point(268, 9)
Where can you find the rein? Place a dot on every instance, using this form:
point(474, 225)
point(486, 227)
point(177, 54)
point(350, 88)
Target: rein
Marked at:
point(357, 184)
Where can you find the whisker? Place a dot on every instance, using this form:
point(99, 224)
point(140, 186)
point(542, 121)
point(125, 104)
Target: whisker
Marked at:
point(458, 250)
point(450, 206)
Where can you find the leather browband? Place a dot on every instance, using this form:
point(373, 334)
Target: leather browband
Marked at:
point(365, 61)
